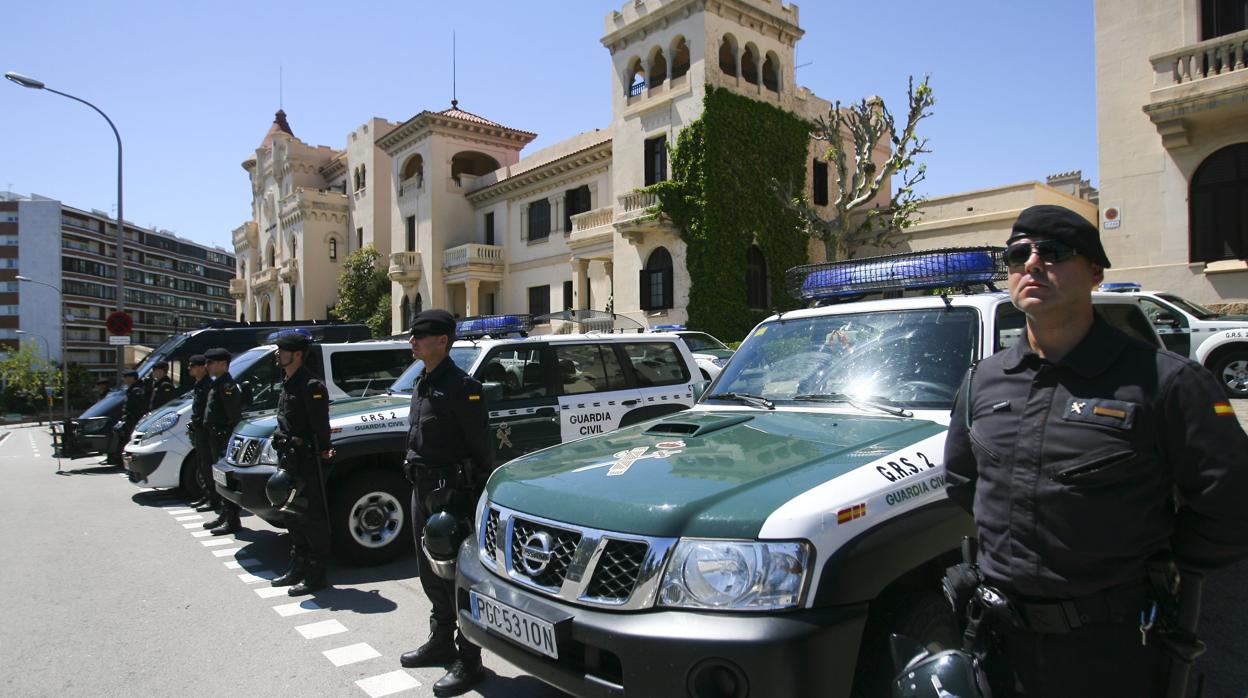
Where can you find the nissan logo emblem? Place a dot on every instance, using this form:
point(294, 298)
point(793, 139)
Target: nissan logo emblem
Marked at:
point(535, 552)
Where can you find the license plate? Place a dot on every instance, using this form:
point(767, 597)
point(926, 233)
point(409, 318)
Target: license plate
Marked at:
point(516, 625)
point(219, 477)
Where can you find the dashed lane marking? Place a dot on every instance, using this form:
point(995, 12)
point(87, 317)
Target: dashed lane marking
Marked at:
point(242, 563)
point(249, 578)
point(180, 511)
point(216, 542)
point(388, 684)
point(192, 525)
point(193, 517)
point(324, 628)
point(269, 592)
point(351, 654)
point(293, 609)
point(201, 533)
point(226, 552)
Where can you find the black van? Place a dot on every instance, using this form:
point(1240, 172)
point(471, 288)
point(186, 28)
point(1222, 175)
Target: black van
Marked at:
point(92, 433)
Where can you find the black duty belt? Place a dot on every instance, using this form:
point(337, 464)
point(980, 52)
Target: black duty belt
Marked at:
point(1121, 604)
point(425, 471)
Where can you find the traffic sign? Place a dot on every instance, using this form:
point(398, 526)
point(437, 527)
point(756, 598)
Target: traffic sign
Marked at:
point(119, 340)
point(119, 322)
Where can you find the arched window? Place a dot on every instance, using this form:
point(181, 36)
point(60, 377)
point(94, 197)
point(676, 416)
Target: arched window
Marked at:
point(658, 68)
point(771, 72)
point(405, 314)
point(355, 179)
point(680, 58)
point(656, 281)
point(728, 55)
point(1218, 213)
point(749, 64)
point(419, 306)
point(636, 78)
point(294, 246)
point(756, 290)
point(271, 255)
point(414, 168)
point(333, 249)
point(470, 162)
point(363, 177)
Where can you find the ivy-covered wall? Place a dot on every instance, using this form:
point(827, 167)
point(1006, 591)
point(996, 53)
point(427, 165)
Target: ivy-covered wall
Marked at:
point(720, 199)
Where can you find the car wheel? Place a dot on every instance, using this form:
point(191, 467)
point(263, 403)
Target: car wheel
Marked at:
point(1231, 370)
point(371, 523)
point(188, 480)
point(924, 617)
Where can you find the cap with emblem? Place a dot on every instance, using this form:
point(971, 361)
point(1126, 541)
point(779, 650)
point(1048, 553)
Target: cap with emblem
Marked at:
point(197, 360)
point(433, 322)
point(1060, 223)
point(217, 354)
point(292, 340)
point(129, 373)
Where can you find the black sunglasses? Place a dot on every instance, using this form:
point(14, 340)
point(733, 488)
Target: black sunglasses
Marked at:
point(1049, 251)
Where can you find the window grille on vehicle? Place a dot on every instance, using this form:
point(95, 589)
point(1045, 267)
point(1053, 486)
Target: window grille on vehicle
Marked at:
point(616, 572)
point(491, 534)
point(563, 545)
point(243, 450)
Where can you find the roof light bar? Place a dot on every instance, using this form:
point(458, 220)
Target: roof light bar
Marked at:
point(493, 325)
point(274, 336)
point(1121, 286)
point(910, 271)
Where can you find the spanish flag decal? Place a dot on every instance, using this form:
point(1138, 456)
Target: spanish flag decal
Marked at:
point(1223, 408)
point(855, 512)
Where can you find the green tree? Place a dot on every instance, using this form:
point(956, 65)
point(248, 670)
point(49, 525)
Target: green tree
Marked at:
point(852, 135)
point(364, 291)
point(25, 372)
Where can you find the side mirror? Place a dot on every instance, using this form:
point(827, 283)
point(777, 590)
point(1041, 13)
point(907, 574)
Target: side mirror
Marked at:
point(699, 389)
point(493, 392)
point(1166, 318)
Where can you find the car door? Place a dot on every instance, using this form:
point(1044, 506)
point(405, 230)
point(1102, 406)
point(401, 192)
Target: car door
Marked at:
point(662, 378)
point(526, 416)
point(1176, 333)
point(594, 390)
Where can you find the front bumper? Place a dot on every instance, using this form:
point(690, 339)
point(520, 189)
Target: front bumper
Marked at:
point(87, 437)
point(245, 487)
point(668, 652)
point(156, 462)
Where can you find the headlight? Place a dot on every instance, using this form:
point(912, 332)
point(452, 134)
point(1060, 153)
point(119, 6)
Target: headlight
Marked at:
point(735, 575)
point(268, 454)
point(161, 425)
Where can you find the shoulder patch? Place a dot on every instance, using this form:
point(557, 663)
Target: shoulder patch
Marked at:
point(474, 397)
point(318, 396)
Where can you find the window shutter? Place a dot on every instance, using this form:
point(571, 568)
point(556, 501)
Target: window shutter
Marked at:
point(643, 288)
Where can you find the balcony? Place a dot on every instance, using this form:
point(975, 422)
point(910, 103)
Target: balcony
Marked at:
point(411, 186)
point(1199, 85)
point(592, 229)
point(265, 279)
point(635, 216)
point(405, 268)
point(289, 270)
point(246, 235)
point(473, 261)
point(238, 288)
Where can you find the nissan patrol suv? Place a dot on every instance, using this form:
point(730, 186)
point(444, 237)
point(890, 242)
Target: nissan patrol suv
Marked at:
point(540, 390)
point(766, 541)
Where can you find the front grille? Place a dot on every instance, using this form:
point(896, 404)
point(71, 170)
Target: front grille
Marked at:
point(252, 452)
point(242, 451)
point(617, 570)
point(490, 542)
point(563, 546)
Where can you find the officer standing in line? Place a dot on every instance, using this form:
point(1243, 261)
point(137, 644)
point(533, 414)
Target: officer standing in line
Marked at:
point(1086, 457)
point(222, 412)
point(448, 426)
point(102, 388)
point(163, 389)
point(132, 410)
point(302, 439)
point(197, 367)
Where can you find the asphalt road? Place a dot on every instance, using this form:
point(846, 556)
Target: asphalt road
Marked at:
point(106, 590)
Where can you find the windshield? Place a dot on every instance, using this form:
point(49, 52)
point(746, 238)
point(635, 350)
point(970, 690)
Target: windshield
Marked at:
point(462, 356)
point(161, 353)
point(698, 341)
point(913, 358)
point(1200, 311)
point(243, 363)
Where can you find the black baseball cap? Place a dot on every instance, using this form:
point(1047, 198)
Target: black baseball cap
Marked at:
point(293, 339)
point(217, 354)
point(1060, 223)
point(433, 322)
point(197, 360)
point(129, 373)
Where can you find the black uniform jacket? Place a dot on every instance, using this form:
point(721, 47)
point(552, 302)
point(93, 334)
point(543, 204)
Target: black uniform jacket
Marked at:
point(224, 407)
point(303, 409)
point(199, 401)
point(136, 404)
point(448, 421)
point(1072, 468)
point(163, 391)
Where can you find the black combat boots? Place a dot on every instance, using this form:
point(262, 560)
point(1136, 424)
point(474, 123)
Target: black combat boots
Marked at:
point(205, 505)
point(229, 522)
point(438, 651)
point(215, 522)
point(298, 566)
point(460, 677)
point(313, 579)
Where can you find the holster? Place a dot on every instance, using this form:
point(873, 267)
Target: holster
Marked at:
point(419, 470)
point(961, 580)
point(1177, 594)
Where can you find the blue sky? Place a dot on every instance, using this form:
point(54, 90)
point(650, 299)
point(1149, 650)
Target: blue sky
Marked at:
point(193, 85)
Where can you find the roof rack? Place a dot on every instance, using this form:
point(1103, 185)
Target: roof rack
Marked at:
point(962, 268)
point(480, 326)
point(594, 321)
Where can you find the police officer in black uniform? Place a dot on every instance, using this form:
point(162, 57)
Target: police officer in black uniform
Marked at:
point(132, 410)
point(162, 389)
point(1088, 459)
point(448, 428)
point(222, 412)
point(102, 388)
point(302, 439)
point(197, 367)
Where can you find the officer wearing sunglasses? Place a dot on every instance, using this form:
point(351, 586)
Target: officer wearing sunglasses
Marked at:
point(1091, 462)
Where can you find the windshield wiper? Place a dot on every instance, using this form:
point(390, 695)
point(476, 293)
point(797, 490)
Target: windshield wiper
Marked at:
point(756, 400)
point(873, 401)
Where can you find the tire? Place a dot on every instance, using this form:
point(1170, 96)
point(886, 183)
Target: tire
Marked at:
point(924, 617)
point(1231, 371)
point(188, 482)
point(370, 520)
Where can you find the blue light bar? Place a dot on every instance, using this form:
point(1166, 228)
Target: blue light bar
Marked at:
point(910, 271)
point(1121, 286)
point(297, 331)
point(666, 328)
point(493, 325)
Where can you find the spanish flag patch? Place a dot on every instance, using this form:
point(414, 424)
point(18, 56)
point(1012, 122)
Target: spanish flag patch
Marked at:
point(474, 397)
point(1223, 408)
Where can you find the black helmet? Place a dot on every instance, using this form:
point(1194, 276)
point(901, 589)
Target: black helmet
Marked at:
point(940, 674)
point(442, 536)
point(448, 499)
point(283, 491)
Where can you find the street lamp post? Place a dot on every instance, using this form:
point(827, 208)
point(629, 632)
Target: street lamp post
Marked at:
point(64, 331)
point(47, 347)
point(121, 226)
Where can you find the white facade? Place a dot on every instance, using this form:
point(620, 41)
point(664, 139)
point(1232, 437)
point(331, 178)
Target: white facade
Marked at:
point(39, 258)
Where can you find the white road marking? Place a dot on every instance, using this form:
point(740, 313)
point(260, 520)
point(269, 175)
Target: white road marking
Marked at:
point(201, 533)
point(388, 684)
point(179, 512)
point(269, 592)
point(242, 563)
point(226, 552)
point(294, 609)
point(250, 578)
point(324, 628)
point(216, 542)
point(351, 654)
point(193, 517)
point(192, 525)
